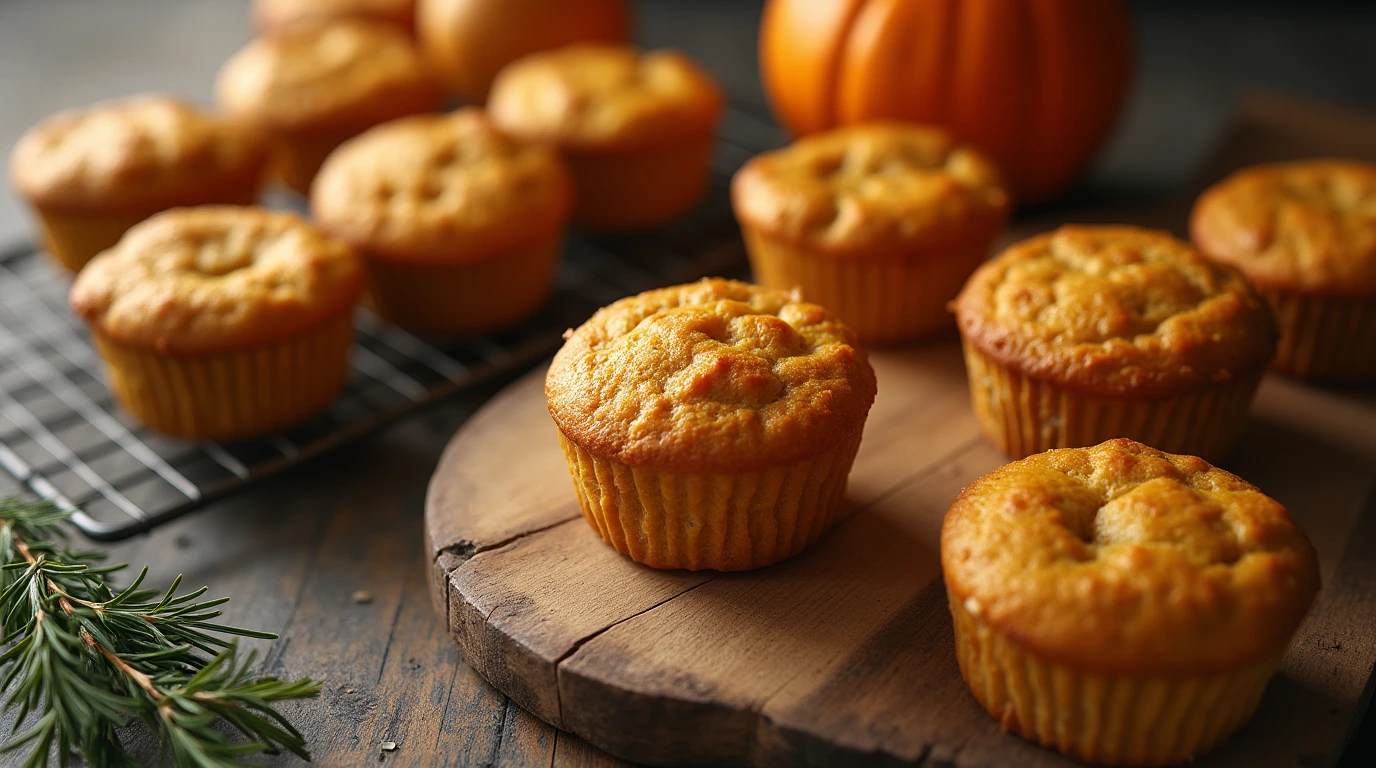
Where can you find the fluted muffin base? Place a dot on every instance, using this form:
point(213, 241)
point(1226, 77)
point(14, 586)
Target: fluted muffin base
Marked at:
point(724, 522)
point(1325, 337)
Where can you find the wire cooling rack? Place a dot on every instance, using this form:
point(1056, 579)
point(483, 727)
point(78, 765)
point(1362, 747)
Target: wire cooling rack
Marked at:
point(64, 438)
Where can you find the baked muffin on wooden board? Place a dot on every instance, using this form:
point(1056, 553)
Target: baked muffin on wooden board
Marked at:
point(1122, 605)
point(881, 223)
point(1304, 233)
point(1088, 333)
point(310, 87)
point(273, 14)
point(710, 425)
point(91, 174)
point(638, 129)
point(222, 321)
point(460, 225)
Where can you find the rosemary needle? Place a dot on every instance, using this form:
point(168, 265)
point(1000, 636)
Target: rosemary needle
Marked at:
point(82, 659)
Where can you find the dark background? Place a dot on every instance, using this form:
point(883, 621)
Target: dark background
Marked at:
point(311, 536)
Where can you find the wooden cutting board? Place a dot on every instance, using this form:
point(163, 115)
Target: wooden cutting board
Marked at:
point(844, 654)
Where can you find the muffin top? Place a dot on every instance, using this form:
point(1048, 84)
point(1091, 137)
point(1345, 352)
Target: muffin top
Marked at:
point(141, 152)
point(343, 75)
point(713, 376)
point(605, 96)
point(1115, 310)
point(441, 187)
point(872, 190)
point(1308, 227)
point(214, 278)
point(270, 14)
point(1122, 559)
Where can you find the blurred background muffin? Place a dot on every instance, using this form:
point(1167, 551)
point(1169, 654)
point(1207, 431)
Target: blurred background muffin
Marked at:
point(637, 129)
point(460, 225)
point(311, 87)
point(1304, 233)
point(91, 174)
point(272, 14)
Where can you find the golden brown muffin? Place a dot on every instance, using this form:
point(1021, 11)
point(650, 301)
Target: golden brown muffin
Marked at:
point(1304, 234)
point(93, 173)
point(313, 86)
point(460, 225)
point(1120, 604)
point(636, 128)
point(710, 425)
point(221, 321)
point(879, 222)
point(1093, 332)
point(274, 14)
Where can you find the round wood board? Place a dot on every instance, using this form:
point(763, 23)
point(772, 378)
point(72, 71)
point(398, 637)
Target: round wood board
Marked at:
point(842, 655)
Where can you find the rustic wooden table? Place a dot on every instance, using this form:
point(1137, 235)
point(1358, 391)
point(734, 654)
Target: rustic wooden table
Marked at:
point(295, 551)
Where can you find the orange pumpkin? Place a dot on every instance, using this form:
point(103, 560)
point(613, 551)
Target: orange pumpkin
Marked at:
point(469, 41)
point(1035, 83)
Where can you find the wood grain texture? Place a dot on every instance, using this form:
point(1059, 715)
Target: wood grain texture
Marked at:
point(844, 654)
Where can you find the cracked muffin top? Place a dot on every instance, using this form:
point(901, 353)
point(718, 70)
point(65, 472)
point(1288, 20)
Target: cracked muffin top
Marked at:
point(605, 97)
point(1308, 227)
point(1115, 310)
point(269, 14)
point(214, 278)
point(441, 187)
point(874, 189)
point(1123, 559)
point(341, 76)
point(141, 152)
point(713, 376)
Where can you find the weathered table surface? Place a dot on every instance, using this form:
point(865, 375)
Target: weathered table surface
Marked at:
point(294, 551)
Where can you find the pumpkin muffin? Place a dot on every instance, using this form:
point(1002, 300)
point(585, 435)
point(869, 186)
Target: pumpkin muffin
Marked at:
point(274, 14)
point(93, 173)
point(459, 225)
point(312, 87)
point(636, 128)
point(1304, 234)
point(1122, 605)
point(220, 321)
point(881, 223)
point(710, 425)
point(1093, 332)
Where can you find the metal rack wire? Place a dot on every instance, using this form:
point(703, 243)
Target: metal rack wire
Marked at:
point(64, 438)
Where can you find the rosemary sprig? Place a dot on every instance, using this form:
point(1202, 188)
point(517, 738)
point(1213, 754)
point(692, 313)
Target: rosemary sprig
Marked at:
point(85, 659)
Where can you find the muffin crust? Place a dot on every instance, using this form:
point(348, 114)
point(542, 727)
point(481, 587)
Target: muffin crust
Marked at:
point(441, 187)
point(871, 190)
point(714, 376)
point(339, 76)
point(592, 97)
point(144, 152)
point(1122, 559)
point(216, 278)
point(1307, 227)
point(1115, 310)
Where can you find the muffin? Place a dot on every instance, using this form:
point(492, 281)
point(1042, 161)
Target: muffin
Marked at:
point(459, 225)
point(274, 14)
point(881, 223)
point(637, 129)
point(1122, 605)
point(311, 87)
point(1304, 234)
point(220, 321)
point(91, 174)
point(710, 425)
point(1093, 332)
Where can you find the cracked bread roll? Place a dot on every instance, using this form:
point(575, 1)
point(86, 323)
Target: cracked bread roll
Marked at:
point(220, 322)
point(710, 425)
point(1093, 332)
point(1120, 604)
point(880, 223)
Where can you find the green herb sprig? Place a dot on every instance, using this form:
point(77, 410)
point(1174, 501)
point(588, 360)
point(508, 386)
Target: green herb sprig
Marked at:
point(84, 659)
